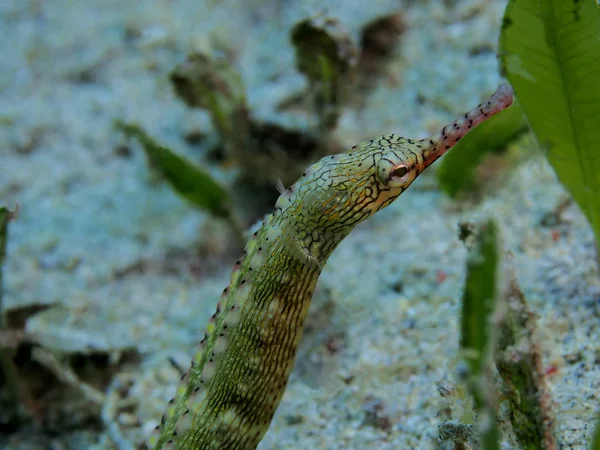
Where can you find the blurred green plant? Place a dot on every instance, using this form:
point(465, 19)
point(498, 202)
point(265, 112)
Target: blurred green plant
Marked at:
point(456, 171)
point(188, 180)
point(214, 85)
point(498, 327)
point(596, 443)
point(328, 56)
point(550, 52)
point(477, 338)
point(9, 371)
point(264, 151)
point(519, 362)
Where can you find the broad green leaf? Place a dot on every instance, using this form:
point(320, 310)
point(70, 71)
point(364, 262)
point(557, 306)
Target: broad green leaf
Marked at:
point(456, 172)
point(550, 52)
point(596, 443)
point(188, 180)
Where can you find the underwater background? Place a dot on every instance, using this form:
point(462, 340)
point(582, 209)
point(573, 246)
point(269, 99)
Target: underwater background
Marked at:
point(111, 274)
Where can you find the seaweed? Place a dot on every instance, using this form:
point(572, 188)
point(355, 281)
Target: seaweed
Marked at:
point(17, 388)
point(265, 151)
point(328, 56)
point(456, 171)
point(9, 372)
point(596, 443)
point(277, 152)
point(213, 84)
point(499, 329)
point(378, 40)
point(550, 52)
point(188, 180)
point(477, 335)
point(519, 361)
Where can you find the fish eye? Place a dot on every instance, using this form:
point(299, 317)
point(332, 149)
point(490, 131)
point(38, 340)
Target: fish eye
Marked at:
point(399, 172)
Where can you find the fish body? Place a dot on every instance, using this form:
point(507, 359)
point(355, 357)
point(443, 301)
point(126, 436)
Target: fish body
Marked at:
point(227, 398)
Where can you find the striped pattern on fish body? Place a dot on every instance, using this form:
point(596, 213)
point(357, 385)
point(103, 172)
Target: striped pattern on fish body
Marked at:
point(228, 397)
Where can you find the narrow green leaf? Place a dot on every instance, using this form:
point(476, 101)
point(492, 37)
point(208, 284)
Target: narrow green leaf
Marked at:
point(187, 179)
point(479, 296)
point(456, 171)
point(596, 443)
point(478, 305)
point(550, 52)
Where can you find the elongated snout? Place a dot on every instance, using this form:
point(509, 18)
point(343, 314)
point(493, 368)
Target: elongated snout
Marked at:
point(435, 146)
